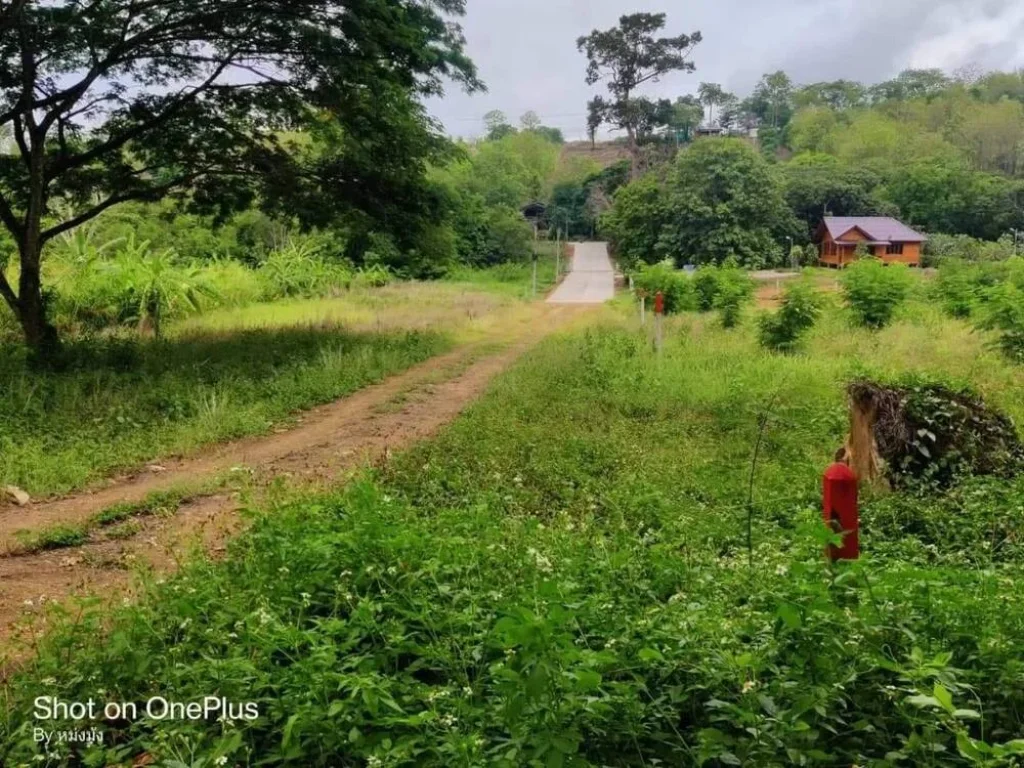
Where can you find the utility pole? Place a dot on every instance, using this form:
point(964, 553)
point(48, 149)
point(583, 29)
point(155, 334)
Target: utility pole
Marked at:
point(558, 253)
point(534, 261)
point(659, 322)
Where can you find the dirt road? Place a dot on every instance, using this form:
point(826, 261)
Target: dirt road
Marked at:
point(331, 443)
point(592, 280)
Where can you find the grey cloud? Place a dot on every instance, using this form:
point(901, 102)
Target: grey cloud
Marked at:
point(526, 52)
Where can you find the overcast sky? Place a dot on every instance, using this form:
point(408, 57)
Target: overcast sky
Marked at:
point(526, 53)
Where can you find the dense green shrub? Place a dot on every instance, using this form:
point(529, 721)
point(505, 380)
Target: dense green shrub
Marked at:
point(127, 283)
point(674, 285)
point(875, 291)
point(941, 247)
point(299, 269)
point(706, 285)
point(635, 222)
point(735, 289)
point(1004, 312)
point(956, 288)
point(800, 308)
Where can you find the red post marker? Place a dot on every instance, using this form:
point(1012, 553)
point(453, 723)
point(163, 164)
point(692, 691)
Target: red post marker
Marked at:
point(840, 511)
point(659, 303)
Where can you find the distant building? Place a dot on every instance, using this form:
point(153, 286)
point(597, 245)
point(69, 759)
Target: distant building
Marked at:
point(709, 129)
point(536, 214)
point(885, 238)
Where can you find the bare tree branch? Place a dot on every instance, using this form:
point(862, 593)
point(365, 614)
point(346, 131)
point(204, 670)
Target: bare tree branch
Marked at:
point(119, 140)
point(122, 197)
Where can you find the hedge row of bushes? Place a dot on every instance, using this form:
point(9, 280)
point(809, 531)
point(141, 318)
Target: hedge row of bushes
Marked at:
point(727, 289)
point(872, 291)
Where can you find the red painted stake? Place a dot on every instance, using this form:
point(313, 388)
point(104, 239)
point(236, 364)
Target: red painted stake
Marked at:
point(840, 511)
point(659, 303)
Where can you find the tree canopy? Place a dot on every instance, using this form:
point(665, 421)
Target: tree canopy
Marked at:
point(625, 58)
point(119, 100)
point(720, 201)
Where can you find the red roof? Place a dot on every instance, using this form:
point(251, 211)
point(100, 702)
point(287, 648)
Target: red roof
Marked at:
point(881, 230)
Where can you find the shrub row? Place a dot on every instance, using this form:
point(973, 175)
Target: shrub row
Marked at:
point(128, 282)
point(992, 294)
point(724, 288)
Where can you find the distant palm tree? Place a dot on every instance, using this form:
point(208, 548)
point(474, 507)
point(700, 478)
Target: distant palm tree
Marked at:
point(711, 95)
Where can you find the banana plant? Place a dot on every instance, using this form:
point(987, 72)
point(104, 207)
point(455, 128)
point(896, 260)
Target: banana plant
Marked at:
point(157, 285)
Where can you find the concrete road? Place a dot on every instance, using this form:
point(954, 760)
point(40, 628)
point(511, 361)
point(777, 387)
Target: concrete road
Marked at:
point(592, 279)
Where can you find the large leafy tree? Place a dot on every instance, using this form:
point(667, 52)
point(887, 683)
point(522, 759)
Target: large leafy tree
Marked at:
point(626, 57)
point(115, 100)
point(685, 116)
point(772, 99)
point(817, 185)
point(636, 220)
point(725, 201)
point(837, 94)
point(721, 200)
point(498, 126)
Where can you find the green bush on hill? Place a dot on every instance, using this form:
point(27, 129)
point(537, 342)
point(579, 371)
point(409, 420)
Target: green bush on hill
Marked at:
point(561, 578)
point(874, 291)
point(675, 286)
point(781, 331)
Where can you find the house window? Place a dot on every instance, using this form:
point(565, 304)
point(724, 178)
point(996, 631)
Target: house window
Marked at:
point(894, 249)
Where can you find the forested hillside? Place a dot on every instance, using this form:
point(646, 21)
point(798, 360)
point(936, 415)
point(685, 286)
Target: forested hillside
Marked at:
point(942, 153)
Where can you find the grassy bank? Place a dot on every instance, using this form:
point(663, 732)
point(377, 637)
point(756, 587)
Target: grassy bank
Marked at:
point(222, 374)
point(123, 402)
point(563, 578)
point(514, 279)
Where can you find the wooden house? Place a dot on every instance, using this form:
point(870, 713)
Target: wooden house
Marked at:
point(885, 238)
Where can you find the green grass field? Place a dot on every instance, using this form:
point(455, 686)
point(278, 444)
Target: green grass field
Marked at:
point(123, 403)
point(515, 279)
point(563, 578)
point(229, 373)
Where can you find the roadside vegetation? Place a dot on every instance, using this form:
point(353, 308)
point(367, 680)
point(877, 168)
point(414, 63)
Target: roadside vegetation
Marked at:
point(565, 576)
point(121, 403)
point(616, 556)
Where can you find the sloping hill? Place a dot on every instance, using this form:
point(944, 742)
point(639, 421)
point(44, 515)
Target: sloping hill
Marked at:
point(605, 153)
